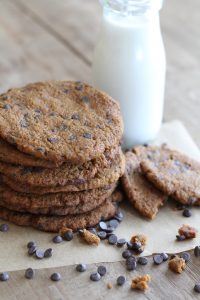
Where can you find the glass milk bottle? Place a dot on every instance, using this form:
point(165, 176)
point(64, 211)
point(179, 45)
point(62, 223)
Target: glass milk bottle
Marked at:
point(129, 64)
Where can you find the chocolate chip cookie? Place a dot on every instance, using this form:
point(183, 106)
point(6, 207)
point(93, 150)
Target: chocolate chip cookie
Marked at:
point(60, 121)
point(54, 223)
point(143, 195)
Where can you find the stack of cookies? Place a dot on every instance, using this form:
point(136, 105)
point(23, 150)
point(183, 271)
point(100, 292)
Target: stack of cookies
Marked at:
point(60, 155)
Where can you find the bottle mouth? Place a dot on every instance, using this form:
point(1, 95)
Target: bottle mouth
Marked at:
point(132, 7)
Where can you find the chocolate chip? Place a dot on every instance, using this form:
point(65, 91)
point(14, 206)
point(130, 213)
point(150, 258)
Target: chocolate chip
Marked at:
point(180, 238)
point(85, 99)
point(37, 110)
point(95, 276)
point(179, 206)
point(81, 268)
point(165, 256)
point(4, 227)
point(121, 242)
point(53, 114)
point(63, 127)
point(102, 235)
point(31, 244)
point(66, 91)
point(131, 263)
point(52, 140)
point(101, 270)
point(136, 245)
point(68, 235)
point(23, 123)
point(197, 288)
point(55, 276)
point(41, 149)
point(4, 97)
point(121, 280)
point(87, 135)
point(118, 216)
point(142, 261)
point(72, 137)
point(57, 239)
point(29, 273)
point(32, 250)
point(92, 230)
point(75, 117)
point(6, 106)
point(39, 253)
point(79, 86)
point(113, 223)
point(129, 245)
point(172, 256)
point(4, 276)
point(186, 256)
point(197, 251)
point(187, 213)
point(126, 253)
point(112, 240)
point(103, 225)
point(158, 259)
point(48, 253)
point(139, 251)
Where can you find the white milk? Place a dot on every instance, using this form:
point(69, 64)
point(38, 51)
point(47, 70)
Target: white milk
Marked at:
point(129, 64)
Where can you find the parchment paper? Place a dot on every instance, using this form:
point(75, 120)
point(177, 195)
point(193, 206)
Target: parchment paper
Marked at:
point(161, 232)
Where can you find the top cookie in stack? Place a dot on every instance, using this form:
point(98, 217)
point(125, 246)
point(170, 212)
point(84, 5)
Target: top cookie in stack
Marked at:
point(59, 155)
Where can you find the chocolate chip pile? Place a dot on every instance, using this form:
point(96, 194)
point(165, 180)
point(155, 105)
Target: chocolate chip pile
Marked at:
point(60, 156)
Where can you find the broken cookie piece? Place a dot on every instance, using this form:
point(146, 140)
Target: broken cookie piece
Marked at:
point(187, 231)
point(90, 238)
point(141, 282)
point(177, 264)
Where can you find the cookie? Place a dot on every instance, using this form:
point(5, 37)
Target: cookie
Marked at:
point(104, 178)
point(77, 202)
point(10, 154)
point(63, 175)
point(55, 223)
point(177, 176)
point(60, 121)
point(145, 198)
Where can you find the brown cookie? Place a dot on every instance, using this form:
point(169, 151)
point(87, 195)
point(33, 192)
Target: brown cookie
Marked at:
point(58, 203)
point(177, 176)
point(55, 223)
point(143, 195)
point(63, 175)
point(104, 178)
point(60, 121)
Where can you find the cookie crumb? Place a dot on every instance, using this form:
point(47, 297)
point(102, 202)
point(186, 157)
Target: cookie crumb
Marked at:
point(177, 264)
point(141, 282)
point(90, 238)
point(109, 285)
point(187, 231)
point(139, 238)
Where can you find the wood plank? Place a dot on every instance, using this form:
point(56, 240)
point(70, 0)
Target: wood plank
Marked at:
point(164, 284)
point(29, 53)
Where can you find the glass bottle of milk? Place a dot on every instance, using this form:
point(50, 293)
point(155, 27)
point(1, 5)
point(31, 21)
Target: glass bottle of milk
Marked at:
point(130, 65)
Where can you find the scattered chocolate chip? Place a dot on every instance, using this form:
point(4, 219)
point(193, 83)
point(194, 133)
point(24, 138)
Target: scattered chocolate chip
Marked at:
point(39, 253)
point(48, 253)
point(6, 106)
point(126, 253)
point(129, 245)
point(29, 273)
point(186, 256)
point(95, 276)
point(121, 280)
point(57, 239)
point(158, 259)
point(121, 242)
point(85, 99)
point(63, 127)
point(72, 137)
point(31, 244)
point(197, 251)
point(4, 227)
point(139, 251)
point(112, 240)
point(68, 235)
point(102, 235)
point(101, 270)
point(52, 140)
point(180, 238)
point(142, 261)
point(32, 250)
point(136, 245)
point(165, 256)
point(131, 263)
point(92, 230)
point(4, 276)
point(187, 213)
point(197, 288)
point(81, 268)
point(103, 225)
point(55, 276)
point(87, 135)
point(113, 223)
point(75, 117)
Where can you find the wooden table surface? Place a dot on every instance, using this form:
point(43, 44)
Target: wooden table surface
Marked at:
point(48, 39)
